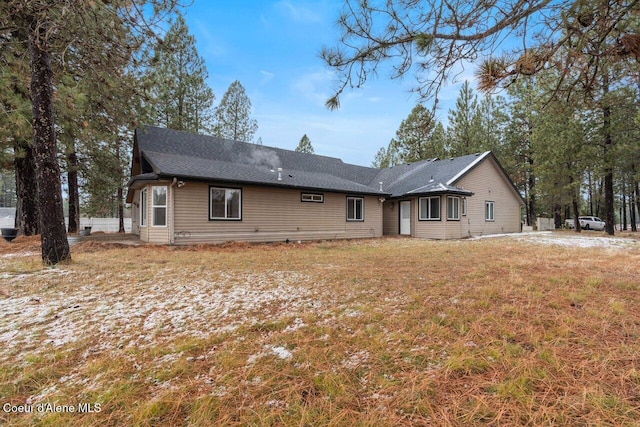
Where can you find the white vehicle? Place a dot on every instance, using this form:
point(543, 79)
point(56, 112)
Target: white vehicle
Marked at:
point(588, 223)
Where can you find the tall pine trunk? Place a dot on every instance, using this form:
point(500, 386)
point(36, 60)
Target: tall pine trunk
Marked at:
point(55, 247)
point(609, 210)
point(120, 209)
point(74, 196)
point(624, 206)
point(637, 191)
point(27, 219)
point(574, 205)
point(531, 202)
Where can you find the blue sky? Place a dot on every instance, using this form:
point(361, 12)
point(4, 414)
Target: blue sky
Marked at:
point(272, 48)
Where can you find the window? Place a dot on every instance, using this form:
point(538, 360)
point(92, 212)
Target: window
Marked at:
point(464, 206)
point(355, 209)
point(159, 206)
point(312, 197)
point(429, 208)
point(488, 211)
point(225, 203)
point(143, 208)
point(453, 208)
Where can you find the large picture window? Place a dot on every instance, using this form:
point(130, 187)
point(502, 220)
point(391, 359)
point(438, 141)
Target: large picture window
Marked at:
point(159, 206)
point(489, 211)
point(355, 209)
point(453, 208)
point(143, 208)
point(429, 208)
point(225, 203)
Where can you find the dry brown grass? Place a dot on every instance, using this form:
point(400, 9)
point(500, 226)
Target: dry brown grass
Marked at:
point(379, 332)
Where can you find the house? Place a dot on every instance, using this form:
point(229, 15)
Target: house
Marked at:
point(188, 188)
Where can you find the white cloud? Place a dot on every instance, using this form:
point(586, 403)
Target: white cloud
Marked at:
point(266, 76)
point(313, 86)
point(213, 46)
point(354, 138)
point(299, 13)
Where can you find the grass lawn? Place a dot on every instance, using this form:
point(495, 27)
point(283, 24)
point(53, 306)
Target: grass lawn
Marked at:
point(380, 332)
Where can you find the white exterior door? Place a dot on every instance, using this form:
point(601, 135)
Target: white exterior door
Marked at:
point(405, 217)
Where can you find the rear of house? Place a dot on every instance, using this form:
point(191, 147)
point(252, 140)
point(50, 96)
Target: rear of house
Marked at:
point(188, 188)
point(215, 212)
point(452, 198)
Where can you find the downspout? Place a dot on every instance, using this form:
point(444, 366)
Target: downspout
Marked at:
point(170, 210)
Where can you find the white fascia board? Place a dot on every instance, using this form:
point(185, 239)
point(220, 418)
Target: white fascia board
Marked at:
point(469, 166)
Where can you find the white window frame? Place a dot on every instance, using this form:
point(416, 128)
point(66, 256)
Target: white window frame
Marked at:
point(429, 216)
point(143, 207)
point(456, 201)
point(312, 197)
point(227, 198)
point(355, 201)
point(154, 206)
point(464, 206)
point(489, 210)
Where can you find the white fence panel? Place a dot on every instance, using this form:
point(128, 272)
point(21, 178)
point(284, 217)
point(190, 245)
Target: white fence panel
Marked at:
point(106, 225)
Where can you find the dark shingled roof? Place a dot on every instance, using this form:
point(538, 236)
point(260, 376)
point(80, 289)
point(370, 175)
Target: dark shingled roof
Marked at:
point(166, 153)
point(428, 176)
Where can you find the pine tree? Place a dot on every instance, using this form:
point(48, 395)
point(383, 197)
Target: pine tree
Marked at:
point(180, 96)
point(304, 146)
point(432, 40)
point(233, 115)
point(465, 124)
point(386, 157)
point(16, 133)
point(416, 138)
point(48, 29)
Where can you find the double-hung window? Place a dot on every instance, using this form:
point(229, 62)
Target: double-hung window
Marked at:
point(143, 208)
point(225, 203)
point(429, 208)
point(453, 208)
point(159, 206)
point(355, 209)
point(489, 211)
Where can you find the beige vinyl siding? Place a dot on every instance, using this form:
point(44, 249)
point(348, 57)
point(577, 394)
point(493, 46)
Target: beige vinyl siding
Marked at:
point(391, 218)
point(430, 229)
point(488, 183)
point(271, 214)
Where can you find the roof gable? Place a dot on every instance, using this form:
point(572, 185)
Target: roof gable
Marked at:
point(169, 153)
point(428, 176)
point(184, 154)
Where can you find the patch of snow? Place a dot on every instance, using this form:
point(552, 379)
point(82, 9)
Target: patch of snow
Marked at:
point(297, 324)
point(141, 313)
point(568, 240)
point(19, 254)
point(281, 352)
point(356, 359)
point(33, 399)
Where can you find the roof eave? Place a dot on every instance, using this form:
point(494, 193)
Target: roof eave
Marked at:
point(278, 184)
point(468, 168)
